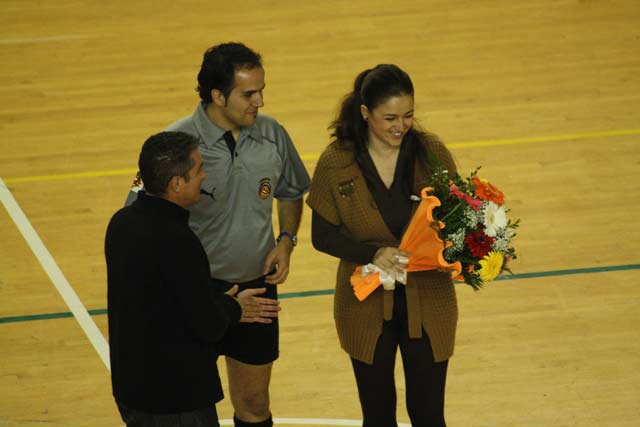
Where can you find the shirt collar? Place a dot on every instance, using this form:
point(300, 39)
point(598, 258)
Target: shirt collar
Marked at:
point(161, 206)
point(212, 133)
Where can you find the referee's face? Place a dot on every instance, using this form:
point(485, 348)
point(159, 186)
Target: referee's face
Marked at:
point(245, 99)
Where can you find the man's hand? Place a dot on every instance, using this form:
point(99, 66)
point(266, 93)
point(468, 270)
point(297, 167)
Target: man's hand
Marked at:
point(289, 214)
point(255, 309)
point(278, 257)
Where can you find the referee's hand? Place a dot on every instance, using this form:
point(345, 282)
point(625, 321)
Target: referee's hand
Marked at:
point(255, 309)
point(278, 257)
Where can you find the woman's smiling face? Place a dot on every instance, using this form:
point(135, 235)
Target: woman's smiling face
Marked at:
point(389, 122)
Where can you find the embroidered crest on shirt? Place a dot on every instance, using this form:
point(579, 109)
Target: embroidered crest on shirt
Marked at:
point(264, 190)
point(136, 185)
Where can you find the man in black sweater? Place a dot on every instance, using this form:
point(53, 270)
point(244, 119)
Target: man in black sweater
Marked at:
point(165, 318)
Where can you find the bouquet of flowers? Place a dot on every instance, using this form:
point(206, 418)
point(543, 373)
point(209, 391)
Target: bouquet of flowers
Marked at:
point(460, 226)
point(477, 229)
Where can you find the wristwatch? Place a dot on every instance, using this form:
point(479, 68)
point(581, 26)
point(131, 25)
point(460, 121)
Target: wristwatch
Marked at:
point(292, 237)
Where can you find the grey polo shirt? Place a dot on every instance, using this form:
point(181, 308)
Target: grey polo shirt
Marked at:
point(234, 224)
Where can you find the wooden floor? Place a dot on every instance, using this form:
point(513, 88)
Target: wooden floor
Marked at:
point(545, 95)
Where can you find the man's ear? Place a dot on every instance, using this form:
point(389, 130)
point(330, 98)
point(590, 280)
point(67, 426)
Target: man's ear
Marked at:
point(175, 184)
point(218, 97)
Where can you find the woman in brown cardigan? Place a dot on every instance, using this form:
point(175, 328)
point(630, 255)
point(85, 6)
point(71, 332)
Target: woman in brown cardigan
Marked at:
point(363, 196)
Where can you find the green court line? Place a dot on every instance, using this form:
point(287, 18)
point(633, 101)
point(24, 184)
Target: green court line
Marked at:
point(570, 271)
point(305, 294)
point(68, 314)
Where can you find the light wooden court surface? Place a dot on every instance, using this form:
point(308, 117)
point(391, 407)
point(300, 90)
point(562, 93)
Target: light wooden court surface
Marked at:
point(550, 89)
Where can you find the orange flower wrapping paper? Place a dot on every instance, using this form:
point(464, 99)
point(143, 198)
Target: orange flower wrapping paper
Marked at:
point(421, 241)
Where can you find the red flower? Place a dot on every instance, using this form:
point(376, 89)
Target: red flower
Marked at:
point(479, 243)
point(453, 189)
point(474, 203)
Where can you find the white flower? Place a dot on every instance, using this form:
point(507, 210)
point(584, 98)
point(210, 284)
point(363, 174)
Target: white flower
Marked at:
point(495, 219)
point(457, 243)
point(503, 238)
point(471, 217)
point(457, 240)
point(450, 253)
point(501, 244)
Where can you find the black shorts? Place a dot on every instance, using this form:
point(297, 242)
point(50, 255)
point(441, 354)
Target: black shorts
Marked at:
point(207, 417)
point(251, 343)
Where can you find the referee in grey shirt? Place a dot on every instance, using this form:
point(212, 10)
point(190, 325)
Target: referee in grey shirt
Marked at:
point(249, 160)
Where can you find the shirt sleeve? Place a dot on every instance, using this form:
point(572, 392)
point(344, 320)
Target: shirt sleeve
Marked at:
point(294, 180)
point(136, 186)
point(207, 313)
point(327, 238)
point(131, 197)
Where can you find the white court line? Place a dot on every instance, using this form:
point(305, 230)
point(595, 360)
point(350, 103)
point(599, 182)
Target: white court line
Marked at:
point(313, 422)
point(55, 274)
point(63, 37)
point(84, 319)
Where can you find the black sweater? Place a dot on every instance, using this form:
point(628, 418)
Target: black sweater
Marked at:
point(164, 315)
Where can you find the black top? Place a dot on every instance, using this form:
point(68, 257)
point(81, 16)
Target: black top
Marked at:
point(164, 315)
point(394, 204)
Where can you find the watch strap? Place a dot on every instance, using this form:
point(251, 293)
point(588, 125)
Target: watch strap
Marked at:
point(292, 237)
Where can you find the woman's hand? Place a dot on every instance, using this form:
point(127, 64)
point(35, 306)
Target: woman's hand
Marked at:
point(391, 259)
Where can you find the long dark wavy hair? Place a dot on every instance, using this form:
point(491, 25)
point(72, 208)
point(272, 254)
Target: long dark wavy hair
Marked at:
point(371, 88)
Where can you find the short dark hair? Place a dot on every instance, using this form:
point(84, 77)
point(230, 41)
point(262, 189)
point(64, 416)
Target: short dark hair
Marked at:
point(163, 156)
point(219, 65)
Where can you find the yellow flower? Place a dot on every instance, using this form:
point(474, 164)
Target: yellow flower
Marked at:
point(490, 266)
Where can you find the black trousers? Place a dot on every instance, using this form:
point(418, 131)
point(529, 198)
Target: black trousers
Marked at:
point(424, 379)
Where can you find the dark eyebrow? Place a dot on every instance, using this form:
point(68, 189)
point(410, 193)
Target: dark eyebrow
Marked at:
point(251, 92)
point(394, 115)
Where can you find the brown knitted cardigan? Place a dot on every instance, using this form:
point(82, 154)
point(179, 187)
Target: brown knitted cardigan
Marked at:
point(340, 195)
